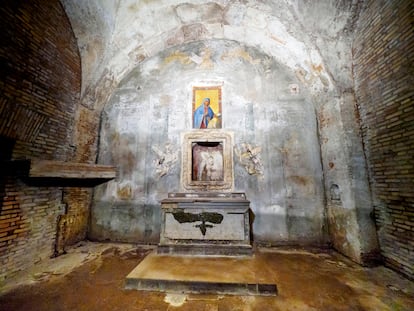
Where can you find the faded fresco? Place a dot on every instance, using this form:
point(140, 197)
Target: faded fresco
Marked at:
point(207, 107)
point(207, 162)
point(269, 138)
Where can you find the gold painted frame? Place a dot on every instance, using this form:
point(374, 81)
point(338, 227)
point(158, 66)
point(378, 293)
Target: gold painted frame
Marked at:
point(214, 94)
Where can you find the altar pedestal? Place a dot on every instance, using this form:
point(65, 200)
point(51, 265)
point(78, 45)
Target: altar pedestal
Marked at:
point(205, 224)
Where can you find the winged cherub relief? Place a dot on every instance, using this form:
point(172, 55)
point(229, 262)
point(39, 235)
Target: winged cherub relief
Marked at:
point(165, 159)
point(249, 157)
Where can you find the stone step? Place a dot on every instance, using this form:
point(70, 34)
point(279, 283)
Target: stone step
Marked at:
point(206, 249)
point(203, 275)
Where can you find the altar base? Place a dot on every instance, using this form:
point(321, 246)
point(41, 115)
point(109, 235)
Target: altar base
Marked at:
point(205, 224)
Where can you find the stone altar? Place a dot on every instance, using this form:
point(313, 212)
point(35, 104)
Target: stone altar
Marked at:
point(205, 223)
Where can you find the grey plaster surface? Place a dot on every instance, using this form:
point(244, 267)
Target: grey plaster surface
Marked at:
point(152, 107)
point(286, 72)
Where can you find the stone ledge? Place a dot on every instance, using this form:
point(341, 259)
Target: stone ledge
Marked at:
point(206, 250)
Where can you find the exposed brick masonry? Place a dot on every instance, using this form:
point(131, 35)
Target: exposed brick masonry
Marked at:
point(384, 78)
point(39, 95)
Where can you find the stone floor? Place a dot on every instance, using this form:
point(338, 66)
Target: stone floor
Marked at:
point(91, 276)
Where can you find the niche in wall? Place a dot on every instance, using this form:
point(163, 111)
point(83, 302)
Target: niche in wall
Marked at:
point(207, 161)
point(152, 109)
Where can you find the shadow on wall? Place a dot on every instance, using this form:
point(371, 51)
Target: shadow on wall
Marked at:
point(289, 230)
point(6, 150)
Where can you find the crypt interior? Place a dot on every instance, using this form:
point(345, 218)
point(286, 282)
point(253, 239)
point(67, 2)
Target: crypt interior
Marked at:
point(311, 147)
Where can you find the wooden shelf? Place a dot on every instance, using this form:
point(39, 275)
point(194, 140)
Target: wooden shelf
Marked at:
point(69, 174)
point(58, 173)
point(57, 169)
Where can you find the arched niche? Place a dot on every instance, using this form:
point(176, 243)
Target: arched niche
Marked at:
point(144, 119)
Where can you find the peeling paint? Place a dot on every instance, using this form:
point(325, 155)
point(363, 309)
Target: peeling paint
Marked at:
point(142, 129)
point(307, 45)
point(179, 57)
point(240, 53)
point(124, 191)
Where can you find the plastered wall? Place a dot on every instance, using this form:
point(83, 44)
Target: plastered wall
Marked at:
point(310, 41)
point(262, 104)
point(300, 82)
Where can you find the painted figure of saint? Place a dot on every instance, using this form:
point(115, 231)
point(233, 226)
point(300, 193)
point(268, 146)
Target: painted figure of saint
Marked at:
point(211, 167)
point(207, 162)
point(203, 114)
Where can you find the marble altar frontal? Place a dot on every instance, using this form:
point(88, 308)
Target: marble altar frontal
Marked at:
point(205, 224)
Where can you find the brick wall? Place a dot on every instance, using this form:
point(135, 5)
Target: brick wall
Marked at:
point(383, 54)
point(39, 95)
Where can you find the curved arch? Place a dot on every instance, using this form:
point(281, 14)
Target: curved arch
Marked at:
point(137, 37)
point(151, 108)
point(313, 39)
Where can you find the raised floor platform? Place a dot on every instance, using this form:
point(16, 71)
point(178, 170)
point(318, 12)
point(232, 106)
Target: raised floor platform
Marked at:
point(203, 275)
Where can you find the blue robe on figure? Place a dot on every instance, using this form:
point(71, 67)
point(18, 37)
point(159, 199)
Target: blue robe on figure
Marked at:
point(201, 118)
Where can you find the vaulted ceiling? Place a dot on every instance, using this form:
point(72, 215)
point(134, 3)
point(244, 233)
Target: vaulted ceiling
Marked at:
point(312, 38)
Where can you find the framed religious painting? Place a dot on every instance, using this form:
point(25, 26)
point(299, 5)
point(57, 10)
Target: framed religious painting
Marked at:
point(207, 107)
point(207, 158)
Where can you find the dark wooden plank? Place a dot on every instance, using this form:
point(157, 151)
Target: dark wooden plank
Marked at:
point(70, 170)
